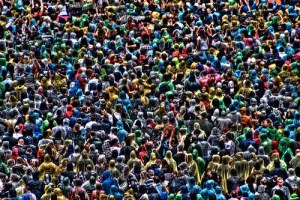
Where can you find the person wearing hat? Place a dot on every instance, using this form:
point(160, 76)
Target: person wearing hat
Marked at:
point(47, 167)
point(131, 59)
point(65, 187)
point(276, 156)
point(208, 190)
point(83, 162)
point(293, 180)
point(224, 171)
point(47, 193)
point(241, 165)
point(193, 167)
point(262, 155)
point(59, 194)
point(261, 192)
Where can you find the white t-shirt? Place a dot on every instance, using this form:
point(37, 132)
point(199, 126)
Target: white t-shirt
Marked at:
point(62, 10)
point(17, 135)
point(203, 44)
point(90, 124)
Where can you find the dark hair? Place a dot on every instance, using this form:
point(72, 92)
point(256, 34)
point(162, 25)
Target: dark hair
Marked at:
point(12, 193)
point(113, 141)
point(229, 135)
point(233, 172)
point(156, 179)
point(143, 189)
point(172, 120)
point(36, 175)
point(286, 133)
point(256, 165)
point(180, 147)
point(53, 197)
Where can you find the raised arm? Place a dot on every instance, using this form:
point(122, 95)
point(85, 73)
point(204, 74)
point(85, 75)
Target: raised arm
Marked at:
point(42, 5)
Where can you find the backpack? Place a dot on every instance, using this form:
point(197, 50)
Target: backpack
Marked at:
point(237, 191)
point(157, 170)
point(235, 186)
point(189, 60)
point(65, 189)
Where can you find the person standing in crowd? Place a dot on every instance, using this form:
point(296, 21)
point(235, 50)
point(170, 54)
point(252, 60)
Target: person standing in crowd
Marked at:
point(151, 99)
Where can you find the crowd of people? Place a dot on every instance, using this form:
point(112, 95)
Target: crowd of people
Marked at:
point(149, 100)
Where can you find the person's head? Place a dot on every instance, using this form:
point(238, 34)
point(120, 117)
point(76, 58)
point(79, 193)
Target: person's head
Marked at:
point(143, 189)
point(209, 173)
point(114, 130)
point(150, 174)
point(172, 120)
point(264, 123)
point(77, 149)
point(249, 135)
point(114, 142)
point(78, 182)
point(21, 142)
point(229, 136)
point(120, 159)
point(156, 179)
point(277, 163)
point(279, 182)
point(126, 170)
point(286, 133)
point(179, 148)
point(257, 166)
point(233, 172)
